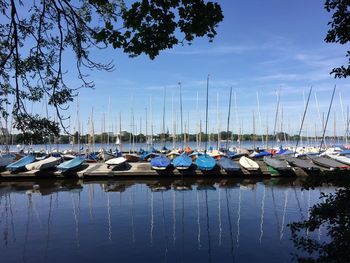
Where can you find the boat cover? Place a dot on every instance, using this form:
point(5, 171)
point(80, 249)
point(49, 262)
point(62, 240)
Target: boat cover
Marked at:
point(21, 163)
point(182, 161)
point(160, 161)
point(205, 162)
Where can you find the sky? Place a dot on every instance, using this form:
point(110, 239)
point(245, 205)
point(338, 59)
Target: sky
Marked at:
point(261, 47)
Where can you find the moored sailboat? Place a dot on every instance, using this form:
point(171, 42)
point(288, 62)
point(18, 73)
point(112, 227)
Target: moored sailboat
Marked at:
point(206, 162)
point(21, 163)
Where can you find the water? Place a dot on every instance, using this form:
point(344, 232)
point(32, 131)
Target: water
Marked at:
point(213, 220)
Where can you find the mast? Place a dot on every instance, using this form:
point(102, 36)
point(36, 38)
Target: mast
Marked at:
point(146, 135)
point(120, 132)
point(197, 126)
point(151, 117)
point(228, 119)
point(173, 119)
point(259, 115)
point(302, 122)
point(237, 119)
point(163, 128)
point(217, 119)
point(325, 126)
point(254, 136)
point(276, 115)
point(206, 116)
point(335, 128)
point(78, 123)
point(109, 122)
point(347, 126)
point(182, 133)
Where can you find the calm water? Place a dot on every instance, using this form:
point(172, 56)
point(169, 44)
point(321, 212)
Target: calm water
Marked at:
point(214, 220)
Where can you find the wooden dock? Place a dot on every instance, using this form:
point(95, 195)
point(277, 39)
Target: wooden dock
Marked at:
point(142, 169)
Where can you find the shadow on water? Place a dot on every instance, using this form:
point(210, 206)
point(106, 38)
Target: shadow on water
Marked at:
point(138, 220)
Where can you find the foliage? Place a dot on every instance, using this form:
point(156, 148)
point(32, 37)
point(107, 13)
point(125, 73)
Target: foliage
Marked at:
point(37, 36)
point(339, 31)
point(333, 215)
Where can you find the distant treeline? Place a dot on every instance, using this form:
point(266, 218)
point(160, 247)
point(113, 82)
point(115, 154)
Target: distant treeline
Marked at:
point(141, 138)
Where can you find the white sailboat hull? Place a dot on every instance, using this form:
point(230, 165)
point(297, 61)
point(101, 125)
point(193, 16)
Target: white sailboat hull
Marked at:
point(248, 164)
point(44, 164)
point(116, 161)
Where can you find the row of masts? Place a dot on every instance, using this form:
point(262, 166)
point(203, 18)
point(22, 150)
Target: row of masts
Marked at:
point(185, 126)
point(279, 125)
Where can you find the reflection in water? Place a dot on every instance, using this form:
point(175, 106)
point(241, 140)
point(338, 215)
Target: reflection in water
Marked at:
point(284, 212)
point(109, 218)
point(198, 223)
point(229, 223)
point(76, 215)
point(262, 214)
point(239, 215)
point(152, 220)
point(219, 213)
point(174, 217)
point(82, 220)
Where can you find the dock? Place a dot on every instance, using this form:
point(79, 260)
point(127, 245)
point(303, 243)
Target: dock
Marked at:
point(143, 170)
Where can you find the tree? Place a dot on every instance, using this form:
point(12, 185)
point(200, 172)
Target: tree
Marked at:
point(333, 215)
point(339, 31)
point(35, 36)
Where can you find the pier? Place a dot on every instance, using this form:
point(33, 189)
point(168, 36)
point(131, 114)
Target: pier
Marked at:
point(144, 170)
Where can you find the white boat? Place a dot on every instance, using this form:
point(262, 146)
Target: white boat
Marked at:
point(116, 161)
point(248, 164)
point(340, 158)
point(105, 156)
point(44, 164)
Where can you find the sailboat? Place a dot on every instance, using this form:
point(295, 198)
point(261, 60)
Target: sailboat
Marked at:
point(182, 162)
point(248, 164)
point(21, 163)
point(44, 164)
point(303, 164)
point(224, 162)
point(115, 162)
point(206, 162)
point(161, 162)
point(71, 164)
point(280, 165)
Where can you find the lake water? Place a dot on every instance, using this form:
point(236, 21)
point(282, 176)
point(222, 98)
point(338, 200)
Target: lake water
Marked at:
point(211, 220)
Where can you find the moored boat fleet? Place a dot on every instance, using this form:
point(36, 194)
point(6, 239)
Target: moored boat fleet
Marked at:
point(233, 161)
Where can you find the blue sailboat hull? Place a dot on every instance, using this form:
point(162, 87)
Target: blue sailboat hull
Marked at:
point(182, 162)
point(160, 162)
point(21, 163)
point(71, 164)
point(205, 162)
point(228, 165)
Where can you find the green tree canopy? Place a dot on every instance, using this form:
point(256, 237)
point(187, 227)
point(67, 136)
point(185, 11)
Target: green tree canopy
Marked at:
point(339, 31)
point(34, 36)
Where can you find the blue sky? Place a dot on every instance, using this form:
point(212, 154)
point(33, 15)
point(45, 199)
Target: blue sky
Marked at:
point(261, 46)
